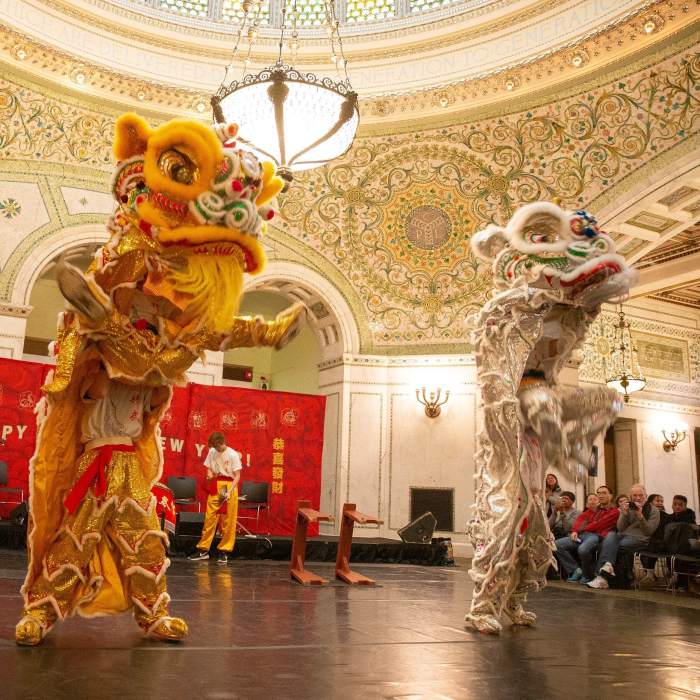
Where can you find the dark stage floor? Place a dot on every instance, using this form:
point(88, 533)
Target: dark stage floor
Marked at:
point(254, 634)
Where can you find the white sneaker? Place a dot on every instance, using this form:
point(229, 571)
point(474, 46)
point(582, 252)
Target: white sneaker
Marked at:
point(598, 582)
point(608, 568)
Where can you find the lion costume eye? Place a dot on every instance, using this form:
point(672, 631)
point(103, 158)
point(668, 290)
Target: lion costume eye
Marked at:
point(178, 166)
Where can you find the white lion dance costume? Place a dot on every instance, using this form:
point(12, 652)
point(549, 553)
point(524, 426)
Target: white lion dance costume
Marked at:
point(191, 208)
point(552, 271)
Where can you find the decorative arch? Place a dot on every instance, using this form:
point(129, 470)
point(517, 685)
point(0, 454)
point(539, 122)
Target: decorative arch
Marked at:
point(62, 241)
point(330, 314)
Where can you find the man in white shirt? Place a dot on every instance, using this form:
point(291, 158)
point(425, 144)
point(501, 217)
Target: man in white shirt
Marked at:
point(223, 474)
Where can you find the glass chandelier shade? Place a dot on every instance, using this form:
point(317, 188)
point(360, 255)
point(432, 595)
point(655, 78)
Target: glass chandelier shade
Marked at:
point(297, 120)
point(623, 372)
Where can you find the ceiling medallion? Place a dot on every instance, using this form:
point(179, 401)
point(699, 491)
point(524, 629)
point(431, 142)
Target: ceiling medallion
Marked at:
point(428, 227)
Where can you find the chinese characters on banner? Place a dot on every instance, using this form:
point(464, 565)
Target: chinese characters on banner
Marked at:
point(280, 436)
point(278, 465)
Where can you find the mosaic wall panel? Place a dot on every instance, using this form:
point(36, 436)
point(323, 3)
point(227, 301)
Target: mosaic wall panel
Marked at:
point(663, 357)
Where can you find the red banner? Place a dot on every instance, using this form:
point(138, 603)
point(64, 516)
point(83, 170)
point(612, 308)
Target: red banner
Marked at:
point(279, 434)
point(19, 394)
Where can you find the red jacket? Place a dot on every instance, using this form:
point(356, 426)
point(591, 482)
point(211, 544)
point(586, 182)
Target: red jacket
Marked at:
point(599, 521)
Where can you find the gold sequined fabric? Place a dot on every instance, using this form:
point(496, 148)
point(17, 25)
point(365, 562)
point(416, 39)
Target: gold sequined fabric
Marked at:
point(125, 521)
point(69, 343)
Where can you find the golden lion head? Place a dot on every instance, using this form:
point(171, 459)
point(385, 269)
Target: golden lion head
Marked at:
point(191, 210)
point(185, 184)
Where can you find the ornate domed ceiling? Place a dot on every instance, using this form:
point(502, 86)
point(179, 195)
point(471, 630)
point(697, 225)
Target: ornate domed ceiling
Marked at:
point(407, 58)
point(468, 111)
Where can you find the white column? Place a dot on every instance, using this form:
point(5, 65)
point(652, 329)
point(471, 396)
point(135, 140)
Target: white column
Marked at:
point(13, 327)
point(379, 443)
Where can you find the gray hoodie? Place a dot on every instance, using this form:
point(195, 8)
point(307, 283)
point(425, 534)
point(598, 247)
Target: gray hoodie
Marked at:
point(641, 529)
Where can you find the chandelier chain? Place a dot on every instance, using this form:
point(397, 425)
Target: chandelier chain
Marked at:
point(294, 45)
point(239, 34)
point(252, 34)
point(335, 25)
point(284, 27)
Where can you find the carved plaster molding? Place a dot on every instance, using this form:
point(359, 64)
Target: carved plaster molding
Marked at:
point(14, 310)
point(623, 37)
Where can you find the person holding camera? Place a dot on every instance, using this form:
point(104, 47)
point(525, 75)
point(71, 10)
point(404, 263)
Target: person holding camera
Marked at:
point(636, 524)
point(564, 515)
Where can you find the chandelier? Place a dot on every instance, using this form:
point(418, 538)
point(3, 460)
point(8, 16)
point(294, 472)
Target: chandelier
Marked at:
point(296, 119)
point(623, 372)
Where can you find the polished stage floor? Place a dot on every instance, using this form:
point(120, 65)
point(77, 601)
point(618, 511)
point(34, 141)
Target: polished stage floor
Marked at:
point(254, 634)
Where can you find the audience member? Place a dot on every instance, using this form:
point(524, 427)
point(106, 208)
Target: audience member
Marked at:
point(680, 511)
point(552, 491)
point(621, 499)
point(589, 529)
point(656, 541)
point(592, 502)
point(562, 519)
point(636, 524)
point(657, 500)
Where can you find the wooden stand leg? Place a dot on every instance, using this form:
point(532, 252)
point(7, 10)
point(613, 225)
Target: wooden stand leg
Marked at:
point(342, 562)
point(305, 515)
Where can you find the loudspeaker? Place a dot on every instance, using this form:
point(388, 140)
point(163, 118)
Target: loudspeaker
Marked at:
point(420, 531)
point(189, 524)
point(19, 515)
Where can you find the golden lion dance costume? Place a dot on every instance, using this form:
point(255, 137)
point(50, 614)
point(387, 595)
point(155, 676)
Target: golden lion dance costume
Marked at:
point(552, 271)
point(165, 288)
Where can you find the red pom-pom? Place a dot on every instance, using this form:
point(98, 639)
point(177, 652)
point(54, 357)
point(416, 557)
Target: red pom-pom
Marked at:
point(141, 324)
point(237, 186)
point(270, 214)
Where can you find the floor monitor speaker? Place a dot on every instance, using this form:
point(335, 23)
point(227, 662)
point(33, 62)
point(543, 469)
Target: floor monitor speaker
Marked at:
point(189, 524)
point(420, 530)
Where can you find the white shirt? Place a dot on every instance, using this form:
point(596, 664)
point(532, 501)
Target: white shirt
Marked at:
point(225, 463)
point(118, 414)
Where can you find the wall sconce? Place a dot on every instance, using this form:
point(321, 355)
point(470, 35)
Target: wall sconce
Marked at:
point(673, 438)
point(432, 401)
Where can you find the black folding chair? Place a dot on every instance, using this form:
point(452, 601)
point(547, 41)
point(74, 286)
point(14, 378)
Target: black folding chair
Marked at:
point(254, 495)
point(184, 490)
point(5, 489)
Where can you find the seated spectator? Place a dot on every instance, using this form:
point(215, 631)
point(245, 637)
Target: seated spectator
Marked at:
point(587, 532)
point(564, 515)
point(637, 522)
point(552, 491)
point(621, 499)
point(680, 511)
point(592, 502)
point(657, 500)
point(656, 542)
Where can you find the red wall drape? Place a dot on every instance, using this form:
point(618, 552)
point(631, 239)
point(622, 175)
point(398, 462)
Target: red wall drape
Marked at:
point(280, 435)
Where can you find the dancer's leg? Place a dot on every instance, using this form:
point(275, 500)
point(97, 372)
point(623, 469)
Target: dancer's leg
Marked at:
point(55, 594)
